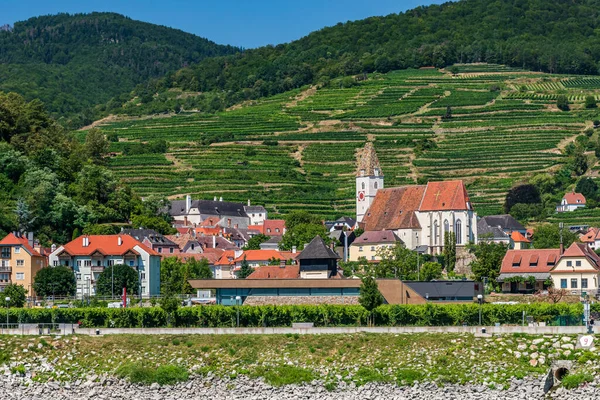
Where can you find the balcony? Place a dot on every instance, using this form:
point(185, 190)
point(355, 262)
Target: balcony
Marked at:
point(5, 282)
point(6, 269)
point(97, 268)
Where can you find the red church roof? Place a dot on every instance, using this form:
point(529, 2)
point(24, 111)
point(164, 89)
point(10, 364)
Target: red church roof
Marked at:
point(394, 209)
point(445, 195)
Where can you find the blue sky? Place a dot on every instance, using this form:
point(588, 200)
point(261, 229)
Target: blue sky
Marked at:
point(243, 23)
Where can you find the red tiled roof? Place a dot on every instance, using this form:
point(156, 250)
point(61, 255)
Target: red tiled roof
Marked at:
point(376, 237)
point(270, 227)
point(574, 198)
point(520, 261)
point(276, 272)
point(212, 255)
point(13, 240)
point(105, 244)
point(181, 240)
point(394, 209)
point(445, 195)
point(225, 258)
point(517, 237)
point(260, 255)
point(583, 250)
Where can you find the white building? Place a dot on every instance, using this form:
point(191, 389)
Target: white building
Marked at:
point(369, 179)
point(571, 202)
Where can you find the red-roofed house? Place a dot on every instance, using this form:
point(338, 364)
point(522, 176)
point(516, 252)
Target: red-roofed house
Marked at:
point(231, 261)
point(88, 255)
point(571, 202)
point(578, 270)
point(276, 272)
point(519, 265)
point(518, 241)
point(270, 227)
point(591, 238)
point(20, 260)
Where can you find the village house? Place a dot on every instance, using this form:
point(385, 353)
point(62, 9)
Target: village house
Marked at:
point(341, 224)
point(578, 270)
point(88, 255)
point(591, 238)
point(225, 213)
point(231, 261)
point(370, 243)
point(318, 261)
point(187, 243)
point(498, 228)
point(518, 241)
point(20, 259)
point(571, 202)
point(420, 215)
point(156, 241)
point(527, 271)
point(270, 227)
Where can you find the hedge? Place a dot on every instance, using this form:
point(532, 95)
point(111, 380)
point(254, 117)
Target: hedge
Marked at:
point(281, 316)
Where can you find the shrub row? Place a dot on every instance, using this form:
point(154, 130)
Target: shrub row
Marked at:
point(281, 316)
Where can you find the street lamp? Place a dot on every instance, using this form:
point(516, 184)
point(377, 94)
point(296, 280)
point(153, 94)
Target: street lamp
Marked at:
point(238, 298)
point(480, 300)
point(7, 301)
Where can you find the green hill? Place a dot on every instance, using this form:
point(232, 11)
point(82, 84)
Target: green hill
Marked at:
point(74, 62)
point(554, 36)
point(297, 150)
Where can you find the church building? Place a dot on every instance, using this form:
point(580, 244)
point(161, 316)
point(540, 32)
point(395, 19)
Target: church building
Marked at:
point(420, 215)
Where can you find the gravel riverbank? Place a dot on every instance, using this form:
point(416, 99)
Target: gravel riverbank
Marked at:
point(105, 388)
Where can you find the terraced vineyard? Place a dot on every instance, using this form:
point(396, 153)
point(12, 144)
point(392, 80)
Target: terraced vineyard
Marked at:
point(297, 150)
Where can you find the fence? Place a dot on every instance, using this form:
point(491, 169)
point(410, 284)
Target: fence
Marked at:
point(38, 329)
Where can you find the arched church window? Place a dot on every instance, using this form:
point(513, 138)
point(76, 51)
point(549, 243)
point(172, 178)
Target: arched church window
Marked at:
point(375, 185)
point(363, 185)
point(435, 232)
point(458, 232)
point(446, 226)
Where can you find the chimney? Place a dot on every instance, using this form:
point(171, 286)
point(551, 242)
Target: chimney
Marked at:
point(85, 241)
point(53, 248)
point(562, 249)
point(30, 238)
point(188, 203)
point(214, 242)
point(120, 240)
point(294, 249)
point(185, 221)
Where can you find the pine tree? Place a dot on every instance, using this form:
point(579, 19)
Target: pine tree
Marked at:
point(245, 269)
point(449, 251)
point(24, 218)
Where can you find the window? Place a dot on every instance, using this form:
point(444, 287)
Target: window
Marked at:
point(362, 185)
point(66, 263)
point(159, 249)
point(375, 185)
point(17, 250)
point(110, 263)
point(584, 283)
point(569, 263)
point(171, 250)
point(4, 277)
point(578, 263)
point(78, 276)
point(192, 246)
point(563, 283)
point(131, 263)
point(574, 283)
point(435, 232)
point(446, 226)
point(87, 263)
point(79, 263)
point(268, 230)
point(55, 263)
point(372, 248)
point(98, 263)
point(20, 263)
point(143, 289)
point(372, 258)
point(143, 276)
point(360, 248)
point(253, 215)
point(458, 232)
point(277, 230)
point(6, 252)
point(20, 276)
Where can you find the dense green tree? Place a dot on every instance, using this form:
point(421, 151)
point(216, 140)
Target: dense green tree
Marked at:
point(370, 297)
point(175, 274)
point(116, 278)
point(245, 269)
point(296, 218)
point(16, 293)
point(590, 102)
point(58, 281)
point(488, 259)
point(525, 194)
point(300, 235)
point(524, 212)
point(562, 102)
point(156, 223)
point(579, 163)
point(587, 187)
point(449, 251)
point(547, 236)
point(430, 271)
point(255, 241)
point(397, 262)
point(96, 145)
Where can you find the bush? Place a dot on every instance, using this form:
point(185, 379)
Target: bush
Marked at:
point(285, 375)
point(573, 381)
point(163, 375)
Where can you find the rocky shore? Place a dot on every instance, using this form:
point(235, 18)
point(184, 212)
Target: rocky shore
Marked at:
point(214, 388)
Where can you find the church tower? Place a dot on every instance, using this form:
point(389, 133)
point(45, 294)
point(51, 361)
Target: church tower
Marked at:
point(369, 179)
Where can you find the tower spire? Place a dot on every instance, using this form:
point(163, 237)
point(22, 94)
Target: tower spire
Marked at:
point(368, 162)
point(369, 179)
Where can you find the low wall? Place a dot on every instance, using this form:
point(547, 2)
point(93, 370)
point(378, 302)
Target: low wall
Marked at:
point(532, 330)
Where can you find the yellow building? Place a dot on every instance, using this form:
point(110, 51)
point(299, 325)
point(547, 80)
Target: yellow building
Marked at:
point(370, 243)
point(578, 270)
point(20, 260)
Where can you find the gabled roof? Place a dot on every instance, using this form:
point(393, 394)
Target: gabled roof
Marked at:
point(210, 207)
point(255, 209)
point(376, 237)
point(276, 272)
point(270, 227)
point(505, 222)
point(583, 250)
point(518, 237)
point(368, 161)
point(573, 198)
point(212, 255)
point(261, 255)
point(150, 234)
point(591, 236)
point(487, 232)
point(182, 240)
point(105, 244)
point(394, 208)
point(445, 195)
point(12, 240)
point(530, 260)
point(317, 249)
point(221, 243)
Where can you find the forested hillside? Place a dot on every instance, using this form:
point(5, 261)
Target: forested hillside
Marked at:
point(73, 62)
point(556, 36)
